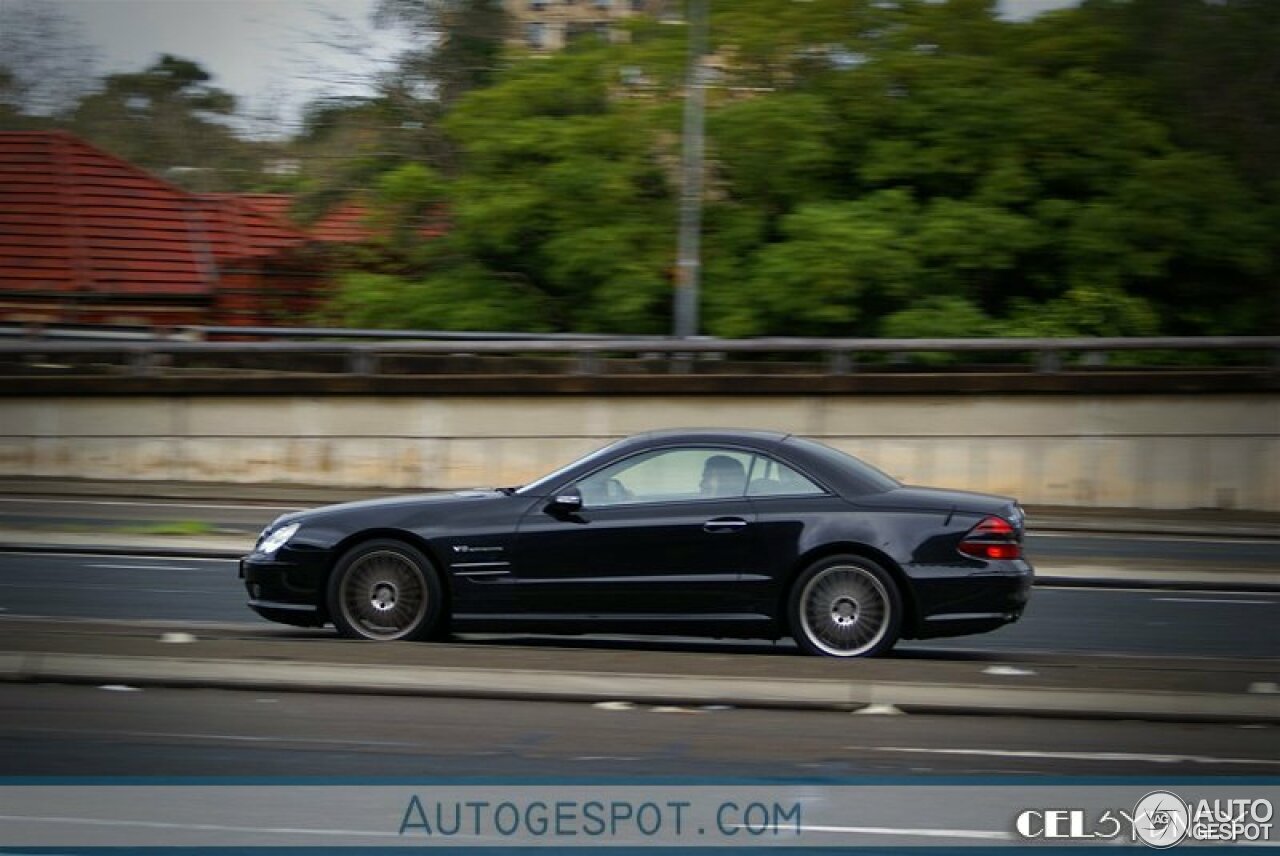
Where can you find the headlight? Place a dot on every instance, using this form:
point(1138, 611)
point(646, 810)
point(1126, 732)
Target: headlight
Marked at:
point(273, 541)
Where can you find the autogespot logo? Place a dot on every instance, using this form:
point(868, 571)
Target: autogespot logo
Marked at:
point(1161, 819)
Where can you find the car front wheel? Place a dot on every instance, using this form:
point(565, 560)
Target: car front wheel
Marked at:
point(845, 606)
point(385, 590)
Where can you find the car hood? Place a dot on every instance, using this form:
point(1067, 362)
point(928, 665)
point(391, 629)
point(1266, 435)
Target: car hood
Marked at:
point(390, 504)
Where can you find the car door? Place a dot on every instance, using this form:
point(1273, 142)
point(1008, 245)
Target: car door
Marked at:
point(666, 532)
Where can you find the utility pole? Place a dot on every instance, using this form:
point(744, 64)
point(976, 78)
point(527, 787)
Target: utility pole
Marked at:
point(689, 262)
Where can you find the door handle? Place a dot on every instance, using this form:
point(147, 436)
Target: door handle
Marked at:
point(724, 524)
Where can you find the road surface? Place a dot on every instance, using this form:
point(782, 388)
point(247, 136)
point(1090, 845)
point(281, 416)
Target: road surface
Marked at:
point(1078, 621)
point(82, 731)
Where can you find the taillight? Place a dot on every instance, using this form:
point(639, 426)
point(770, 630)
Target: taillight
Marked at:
point(992, 538)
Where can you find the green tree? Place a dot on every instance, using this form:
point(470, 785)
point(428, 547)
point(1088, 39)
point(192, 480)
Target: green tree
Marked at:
point(462, 42)
point(461, 297)
point(872, 168)
point(1208, 69)
point(169, 119)
point(1029, 177)
point(346, 145)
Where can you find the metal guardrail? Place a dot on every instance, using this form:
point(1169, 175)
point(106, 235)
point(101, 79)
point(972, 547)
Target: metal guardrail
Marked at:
point(838, 356)
point(188, 332)
point(327, 333)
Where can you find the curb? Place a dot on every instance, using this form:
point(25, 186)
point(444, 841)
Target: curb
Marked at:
point(116, 550)
point(1201, 585)
point(651, 688)
point(1261, 535)
point(1172, 530)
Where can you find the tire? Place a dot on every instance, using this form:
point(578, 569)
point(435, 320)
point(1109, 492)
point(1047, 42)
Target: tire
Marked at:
point(845, 606)
point(385, 590)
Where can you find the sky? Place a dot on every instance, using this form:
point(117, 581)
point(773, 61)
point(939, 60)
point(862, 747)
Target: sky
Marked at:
point(274, 55)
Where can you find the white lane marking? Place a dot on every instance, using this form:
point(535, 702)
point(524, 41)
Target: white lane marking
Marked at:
point(203, 827)
point(604, 758)
point(89, 554)
point(178, 591)
point(217, 738)
point(983, 834)
point(31, 500)
point(233, 626)
point(1007, 671)
point(879, 710)
point(614, 705)
point(1073, 756)
point(144, 567)
point(1213, 600)
point(90, 587)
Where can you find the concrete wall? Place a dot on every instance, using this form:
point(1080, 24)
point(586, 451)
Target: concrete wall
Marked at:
point(1152, 451)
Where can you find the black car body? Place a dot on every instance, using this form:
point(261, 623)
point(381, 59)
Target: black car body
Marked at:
point(723, 533)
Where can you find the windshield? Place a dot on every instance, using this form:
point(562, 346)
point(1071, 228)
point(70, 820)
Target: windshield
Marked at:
point(540, 486)
point(872, 479)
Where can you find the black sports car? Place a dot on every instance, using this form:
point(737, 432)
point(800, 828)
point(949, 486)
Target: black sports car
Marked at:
point(746, 534)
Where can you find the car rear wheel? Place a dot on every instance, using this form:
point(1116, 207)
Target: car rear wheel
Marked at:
point(385, 590)
point(845, 606)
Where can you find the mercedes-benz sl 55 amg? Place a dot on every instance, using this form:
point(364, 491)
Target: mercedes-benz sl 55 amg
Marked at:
point(743, 534)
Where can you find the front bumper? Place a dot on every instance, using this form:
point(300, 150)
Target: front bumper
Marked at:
point(957, 604)
point(286, 588)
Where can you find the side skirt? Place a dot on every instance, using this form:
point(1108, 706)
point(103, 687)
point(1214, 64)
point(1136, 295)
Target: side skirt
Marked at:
point(726, 626)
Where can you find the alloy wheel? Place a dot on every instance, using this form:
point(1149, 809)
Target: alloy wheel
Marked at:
point(384, 595)
point(845, 610)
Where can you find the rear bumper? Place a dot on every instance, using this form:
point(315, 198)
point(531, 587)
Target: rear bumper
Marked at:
point(957, 604)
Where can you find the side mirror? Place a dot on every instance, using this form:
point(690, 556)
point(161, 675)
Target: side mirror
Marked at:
point(568, 502)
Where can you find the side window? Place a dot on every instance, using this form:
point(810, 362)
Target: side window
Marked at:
point(772, 478)
point(669, 475)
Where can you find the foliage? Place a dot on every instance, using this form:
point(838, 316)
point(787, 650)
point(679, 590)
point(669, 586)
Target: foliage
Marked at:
point(463, 297)
point(462, 42)
point(560, 189)
point(1207, 69)
point(938, 318)
point(916, 167)
point(169, 119)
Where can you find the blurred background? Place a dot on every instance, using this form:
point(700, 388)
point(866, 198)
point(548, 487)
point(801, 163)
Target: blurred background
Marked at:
point(903, 168)
point(261, 256)
point(847, 169)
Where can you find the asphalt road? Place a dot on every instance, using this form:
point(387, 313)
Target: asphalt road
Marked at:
point(52, 730)
point(82, 731)
point(1080, 621)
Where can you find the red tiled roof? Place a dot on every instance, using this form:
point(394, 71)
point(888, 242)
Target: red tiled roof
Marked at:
point(346, 224)
point(238, 229)
point(349, 224)
point(74, 218)
point(276, 205)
